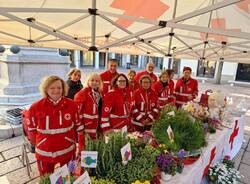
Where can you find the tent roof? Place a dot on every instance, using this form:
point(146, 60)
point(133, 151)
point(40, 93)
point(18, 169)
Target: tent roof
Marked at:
point(209, 29)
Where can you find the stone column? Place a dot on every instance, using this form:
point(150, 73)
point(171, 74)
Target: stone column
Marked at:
point(219, 71)
point(96, 57)
point(21, 74)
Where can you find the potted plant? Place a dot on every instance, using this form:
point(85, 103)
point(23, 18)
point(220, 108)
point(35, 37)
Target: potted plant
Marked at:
point(223, 173)
point(167, 166)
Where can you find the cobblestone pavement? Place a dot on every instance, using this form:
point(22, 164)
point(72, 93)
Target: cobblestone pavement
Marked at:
point(12, 170)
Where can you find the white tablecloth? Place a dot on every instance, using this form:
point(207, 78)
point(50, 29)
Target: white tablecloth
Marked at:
point(223, 142)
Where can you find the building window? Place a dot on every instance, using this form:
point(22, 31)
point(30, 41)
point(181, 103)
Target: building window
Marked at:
point(206, 68)
point(88, 59)
point(134, 60)
point(243, 72)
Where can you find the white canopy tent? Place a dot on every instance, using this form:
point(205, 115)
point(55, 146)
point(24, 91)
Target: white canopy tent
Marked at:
point(208, 30)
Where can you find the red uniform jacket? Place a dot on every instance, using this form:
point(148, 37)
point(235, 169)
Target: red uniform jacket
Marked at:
point(107, 78)
point(53, 129)
point(183, 90)
point(116, 110)
point(164, 93)
point(146, 107)
point(133, 87)
point(171, 97)
point(152, 75)
point(88, 110)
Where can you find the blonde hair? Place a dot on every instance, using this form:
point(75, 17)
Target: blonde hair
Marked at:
point(95, 76)
point(131, 71)
point(47, 81)
point(145, 77)
point(72, 71)
point(164, 73)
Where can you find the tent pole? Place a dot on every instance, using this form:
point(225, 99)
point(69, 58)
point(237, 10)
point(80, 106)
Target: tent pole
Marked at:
point(130, 33)
point(170, 61)
point(206, 36)
point(65, 26)
point(204, 10)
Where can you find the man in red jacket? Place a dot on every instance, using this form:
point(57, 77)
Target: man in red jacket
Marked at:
point(109, 75)
point(149, 71)
point(186, 88)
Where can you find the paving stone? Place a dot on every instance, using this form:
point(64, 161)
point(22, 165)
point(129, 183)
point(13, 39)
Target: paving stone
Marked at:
point(11, 143)
point(4, 180)
point(35, 181)
point(238, 158)
point(244, 170)
point(246, 158)
point(20, 176)
point(31, 156)
point(1, 158)
point(245, 142)
point(248, 147)
point(10, 165)
point(12, 152)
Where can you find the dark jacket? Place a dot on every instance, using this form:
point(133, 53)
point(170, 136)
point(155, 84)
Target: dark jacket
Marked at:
point(74, 87)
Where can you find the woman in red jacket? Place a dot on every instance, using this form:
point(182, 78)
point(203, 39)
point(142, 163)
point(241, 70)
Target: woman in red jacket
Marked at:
point(117, 106)
point(52, 125)
point(171, 97)
point(186, 88)
point(89, 102)
point(146, 108)
point(132, 84)
point(163, 90)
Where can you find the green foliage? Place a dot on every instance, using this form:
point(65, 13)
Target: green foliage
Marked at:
point(101, 181)
point(108, 153)
point(141, 167)
point(46, 180)
point(188, 132)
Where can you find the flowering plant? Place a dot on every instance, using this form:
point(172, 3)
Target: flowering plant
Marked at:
point(139, 182)
point(223, 173)
point(166, 163)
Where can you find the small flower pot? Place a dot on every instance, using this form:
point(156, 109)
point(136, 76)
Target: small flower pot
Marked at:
point(165, 177)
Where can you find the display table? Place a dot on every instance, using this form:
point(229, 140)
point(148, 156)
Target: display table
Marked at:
point(224, 142)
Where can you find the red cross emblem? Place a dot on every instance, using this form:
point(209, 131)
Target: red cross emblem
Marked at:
point(150, 9)
point(234, 134)
point(212, 155)
point(218, 23)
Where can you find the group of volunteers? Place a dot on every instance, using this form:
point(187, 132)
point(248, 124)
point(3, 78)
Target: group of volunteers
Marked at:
point(110, 102)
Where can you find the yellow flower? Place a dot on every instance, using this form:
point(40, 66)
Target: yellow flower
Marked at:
point(146, 182)
point(137, 182)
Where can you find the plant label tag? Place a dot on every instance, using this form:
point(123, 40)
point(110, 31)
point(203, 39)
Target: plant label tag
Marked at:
point(61, 175)
point(83, 179)
point(172, 113)
point(106, 139)
point(170, 134)
point(126, 153)
point(89, 159)
point(125, 130)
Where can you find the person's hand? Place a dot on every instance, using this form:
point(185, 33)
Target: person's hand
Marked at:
point(106, 133)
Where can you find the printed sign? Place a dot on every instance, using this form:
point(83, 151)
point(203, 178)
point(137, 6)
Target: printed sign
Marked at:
point(83, 179)
point(89, 159)
point(60, 176)
point(126, 153)
point(170, 134)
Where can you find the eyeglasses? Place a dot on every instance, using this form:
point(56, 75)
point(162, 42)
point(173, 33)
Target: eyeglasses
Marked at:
point(121, 81)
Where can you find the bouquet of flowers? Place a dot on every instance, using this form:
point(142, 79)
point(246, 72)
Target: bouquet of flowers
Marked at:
point(223, 173)
point(166, 163)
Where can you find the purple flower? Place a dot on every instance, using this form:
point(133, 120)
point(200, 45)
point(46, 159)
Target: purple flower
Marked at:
point(72, 166)
point(181, 154)
point(166, 163)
